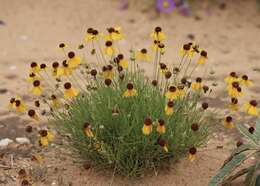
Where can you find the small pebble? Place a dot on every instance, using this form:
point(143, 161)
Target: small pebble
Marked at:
point(5, 142)
point(22, 140)
point(3, 91)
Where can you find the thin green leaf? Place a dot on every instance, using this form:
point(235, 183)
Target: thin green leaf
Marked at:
point(244, 131)
point(227, 169)
point(252, 175)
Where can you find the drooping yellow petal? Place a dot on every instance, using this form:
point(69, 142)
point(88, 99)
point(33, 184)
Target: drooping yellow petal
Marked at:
point(70, 93)
point(74, 62)
point(130, 93)
point(123, 63)
point(110, 51)
point(147, 129)
point(44, 141)
point(168, 110)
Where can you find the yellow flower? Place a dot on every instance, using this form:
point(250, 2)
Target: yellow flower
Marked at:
point(91, 35)
point(163, 144)
point(197, 85)
point(251, 108)
point(11, 104)
point(172, 93)
point(231, 78)
point(228, 123)
point(185, 50)
point(122, 62)
point(157, 45)
point(142, 55)
point(55, 67)
point(55, 102)
point(34, 68)
point(69, 91)
point(73, 60)
point(45, 138)
point(203, 58)
point(180, 91)
point(130, 92)
point(37, 88)
point(62, 46)
point(161, 129)
point(32, 77)
point(169, 108)
point(147, 127)
point(32, 114)
point(233, 105)
point(192, 154)
point(158, 34)
point(108, 72)
point(245, 81)
point(110, 50)
point(87, 130)
point(66, 71)
point(235, 90)
point(20, 106)
point(114, 34)
point(163, 68)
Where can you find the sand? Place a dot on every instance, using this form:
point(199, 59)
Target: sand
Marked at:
point(33, 30)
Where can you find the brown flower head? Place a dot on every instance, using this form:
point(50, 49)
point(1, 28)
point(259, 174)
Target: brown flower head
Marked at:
point(192, 150)
point(33, 64)
point(31, 113)
point(234, 101)
point(71, 54)
point(43, 133)
point(203, 53)
point(36, 83)
point(61, 45)
point(37, 103)
point(148, 121)
point(28, 128)
point(158, 29)
point(170, 104)
point(172, 89)
point(161, 122)
point(154, 83)
point(168, 75)
point(144, 51)
point(43, 66)
point(55, 65)
point(253, 103)
point(204, 105)
point(205, 88)
point(195, 127)
point(108, 82)
point(229, 119)
point(108, 43)
point(130, 86)
point(93, 72)
point(67, 85)
point(251, 130)
point(198, 79)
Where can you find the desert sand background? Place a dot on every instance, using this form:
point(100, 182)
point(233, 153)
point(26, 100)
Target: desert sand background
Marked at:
point(32, 29)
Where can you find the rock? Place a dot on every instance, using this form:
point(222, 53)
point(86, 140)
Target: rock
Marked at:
point(3, 90)
point(22, 140)
point(2, 22)
point(3, 179)
point(5, 142)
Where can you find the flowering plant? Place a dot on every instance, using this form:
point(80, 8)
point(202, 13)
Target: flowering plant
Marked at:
point(112, 114)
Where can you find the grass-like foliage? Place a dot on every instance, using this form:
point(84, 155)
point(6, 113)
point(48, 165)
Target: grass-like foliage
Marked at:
point(117, 123)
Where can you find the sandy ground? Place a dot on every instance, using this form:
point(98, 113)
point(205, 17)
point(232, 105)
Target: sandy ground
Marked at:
point(33, 29)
